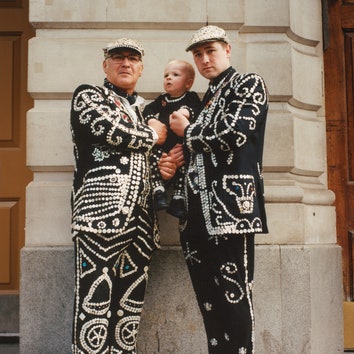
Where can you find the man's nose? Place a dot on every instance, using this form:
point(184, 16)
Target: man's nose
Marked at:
point(205, 57)
point(125, 61)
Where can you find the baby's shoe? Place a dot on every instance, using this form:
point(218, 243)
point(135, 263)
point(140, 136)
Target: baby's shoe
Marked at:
point(160, 200)
point(177, 208)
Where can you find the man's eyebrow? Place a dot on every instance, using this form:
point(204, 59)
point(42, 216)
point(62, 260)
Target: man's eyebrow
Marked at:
point(204, 47)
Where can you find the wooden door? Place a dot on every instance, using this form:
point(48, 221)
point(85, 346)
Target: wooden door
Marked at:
point(15, 32)
point(338, 27)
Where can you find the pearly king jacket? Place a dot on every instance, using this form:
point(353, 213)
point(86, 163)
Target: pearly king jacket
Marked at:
point(225, 143)
point(111, 183)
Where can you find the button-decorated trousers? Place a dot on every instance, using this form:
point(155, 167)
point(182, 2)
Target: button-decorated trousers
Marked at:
point(221, 269)
point(110, 280)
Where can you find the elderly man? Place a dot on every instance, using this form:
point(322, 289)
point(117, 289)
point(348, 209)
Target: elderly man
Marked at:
point(224, 192)
point(113, 223)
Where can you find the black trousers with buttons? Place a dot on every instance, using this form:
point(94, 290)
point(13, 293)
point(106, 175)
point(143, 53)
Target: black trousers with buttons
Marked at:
point(221, 271)
point(111, 276)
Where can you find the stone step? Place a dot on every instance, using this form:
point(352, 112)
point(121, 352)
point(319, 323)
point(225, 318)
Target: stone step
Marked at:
point(9, 343)
point(9, 348)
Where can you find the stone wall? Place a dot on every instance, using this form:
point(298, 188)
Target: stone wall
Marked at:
point(297, 303)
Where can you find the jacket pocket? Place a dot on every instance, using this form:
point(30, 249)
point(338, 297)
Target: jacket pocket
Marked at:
point(241, 188)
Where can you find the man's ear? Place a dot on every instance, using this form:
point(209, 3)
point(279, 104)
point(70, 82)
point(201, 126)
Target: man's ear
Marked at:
point(228, 50)
point(141, 69)
point(104, 65)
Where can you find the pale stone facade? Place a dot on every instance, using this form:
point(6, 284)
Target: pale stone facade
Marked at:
point(298, 296)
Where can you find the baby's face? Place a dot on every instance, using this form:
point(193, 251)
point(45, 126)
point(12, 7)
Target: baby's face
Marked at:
point(176, 80)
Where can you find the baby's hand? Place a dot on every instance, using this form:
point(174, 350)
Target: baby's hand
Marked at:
point(185, 112)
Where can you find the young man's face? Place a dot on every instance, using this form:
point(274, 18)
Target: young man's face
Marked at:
point(123, 69)
point(212, 58)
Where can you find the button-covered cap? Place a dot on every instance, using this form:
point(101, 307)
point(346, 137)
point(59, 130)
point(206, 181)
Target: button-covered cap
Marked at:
point(123, 43)
point(207, 34)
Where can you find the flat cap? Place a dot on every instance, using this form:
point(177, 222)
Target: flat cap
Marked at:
point(123, 43)
point(207, 34)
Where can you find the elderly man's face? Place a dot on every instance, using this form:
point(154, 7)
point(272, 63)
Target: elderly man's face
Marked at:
point(212, 58)
point(123, 69)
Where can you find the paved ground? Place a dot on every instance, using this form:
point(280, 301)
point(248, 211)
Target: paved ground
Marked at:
point(14, 349)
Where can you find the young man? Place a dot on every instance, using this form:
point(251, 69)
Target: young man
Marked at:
point(113, 223)
point(224, 192)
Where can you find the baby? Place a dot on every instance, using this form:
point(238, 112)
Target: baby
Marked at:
point(178, 79)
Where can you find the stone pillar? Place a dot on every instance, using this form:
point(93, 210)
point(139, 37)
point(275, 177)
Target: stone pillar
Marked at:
point(298, 295)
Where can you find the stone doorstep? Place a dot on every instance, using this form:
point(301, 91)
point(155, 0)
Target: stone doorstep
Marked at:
point(9, 338)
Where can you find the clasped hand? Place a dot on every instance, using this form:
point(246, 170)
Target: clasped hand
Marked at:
point(179, 121)
point(169, 163)
point(160, 129)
